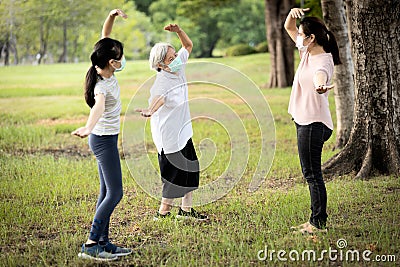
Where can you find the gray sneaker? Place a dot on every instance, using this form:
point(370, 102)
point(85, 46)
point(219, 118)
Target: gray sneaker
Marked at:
point(96, 252)
point(115, 250)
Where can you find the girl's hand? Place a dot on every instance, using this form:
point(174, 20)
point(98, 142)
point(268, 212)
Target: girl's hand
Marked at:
point(297, 13)
point(82, 132)
point(172, 28)
point(118, 12)
point(323, 88)
point(145, 112)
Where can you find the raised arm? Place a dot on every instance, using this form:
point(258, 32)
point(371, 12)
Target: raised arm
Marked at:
point(183, 37)
point(108, 24)
point(290, 22)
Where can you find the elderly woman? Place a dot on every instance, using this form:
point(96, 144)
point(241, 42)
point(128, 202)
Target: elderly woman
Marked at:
point(171, 126)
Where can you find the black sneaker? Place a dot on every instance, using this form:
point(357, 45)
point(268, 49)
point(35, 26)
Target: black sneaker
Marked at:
point(159, 216)
point(192, 214)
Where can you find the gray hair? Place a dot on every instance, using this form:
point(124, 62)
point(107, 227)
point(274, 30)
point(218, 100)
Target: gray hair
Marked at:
point(157, 54)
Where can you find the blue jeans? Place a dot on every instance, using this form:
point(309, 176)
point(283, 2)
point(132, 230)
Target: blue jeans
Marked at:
point(310, 140)
point(105, 148)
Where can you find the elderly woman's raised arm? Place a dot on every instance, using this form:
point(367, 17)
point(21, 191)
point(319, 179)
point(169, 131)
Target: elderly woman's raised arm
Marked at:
point(183, 37)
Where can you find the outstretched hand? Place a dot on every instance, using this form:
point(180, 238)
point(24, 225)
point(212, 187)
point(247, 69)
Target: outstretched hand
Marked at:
point(144, 112)
point(81, 132)
point(118, 12)
point(172, 28)
point(297, 13)
point(323, 88)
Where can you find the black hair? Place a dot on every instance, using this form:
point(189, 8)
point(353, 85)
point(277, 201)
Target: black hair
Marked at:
point(323, 37)
point(104, 50)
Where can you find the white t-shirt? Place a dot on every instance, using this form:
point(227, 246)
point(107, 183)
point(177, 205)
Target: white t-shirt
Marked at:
point(171, 125)
point(109, 122)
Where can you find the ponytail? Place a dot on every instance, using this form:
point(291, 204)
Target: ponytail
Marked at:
point(90, 83)
point(333, 48)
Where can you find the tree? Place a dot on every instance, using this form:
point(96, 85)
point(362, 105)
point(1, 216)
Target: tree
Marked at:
point(248, 28)
point(374, 143)
point(8, 27)
point(335, 17)
point(142, 5)
point(199, 19)
point(280, 45)
point(205, 14)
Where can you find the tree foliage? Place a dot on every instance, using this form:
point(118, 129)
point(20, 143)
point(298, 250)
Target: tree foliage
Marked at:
point(46, 31)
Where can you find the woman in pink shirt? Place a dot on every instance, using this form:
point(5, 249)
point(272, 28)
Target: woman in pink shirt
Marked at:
point(309, 106)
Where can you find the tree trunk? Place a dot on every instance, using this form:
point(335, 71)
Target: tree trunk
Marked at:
point(7, 53)
point(374, 143)
point(335, 18)
point(349, 6)
point(281, 47)
point(63, 56)
point(44, 34)
point(208, 51)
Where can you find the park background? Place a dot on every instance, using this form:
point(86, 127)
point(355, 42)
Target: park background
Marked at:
point(49, 181)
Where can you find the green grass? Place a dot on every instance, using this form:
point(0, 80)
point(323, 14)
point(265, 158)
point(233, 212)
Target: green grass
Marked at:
point(49, 184)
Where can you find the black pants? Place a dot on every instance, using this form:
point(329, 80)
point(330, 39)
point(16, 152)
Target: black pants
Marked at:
point(310, 140)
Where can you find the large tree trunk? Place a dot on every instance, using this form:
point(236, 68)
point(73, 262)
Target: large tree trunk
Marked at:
point(335, 18)
point(375, 138)
point(281, 47)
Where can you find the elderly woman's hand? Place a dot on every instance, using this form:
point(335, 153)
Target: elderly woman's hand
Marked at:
point(145, 112)
point(172, 28)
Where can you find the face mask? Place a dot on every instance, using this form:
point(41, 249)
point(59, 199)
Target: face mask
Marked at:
point(176, 64)
point(300, 43)
point(123, 63)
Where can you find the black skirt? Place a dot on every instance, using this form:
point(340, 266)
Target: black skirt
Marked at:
point(179, 171)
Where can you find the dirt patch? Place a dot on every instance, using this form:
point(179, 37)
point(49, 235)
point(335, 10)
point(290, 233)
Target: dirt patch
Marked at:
point(73, 151)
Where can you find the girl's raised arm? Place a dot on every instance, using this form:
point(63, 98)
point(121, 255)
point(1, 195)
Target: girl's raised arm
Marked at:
point(108, 24)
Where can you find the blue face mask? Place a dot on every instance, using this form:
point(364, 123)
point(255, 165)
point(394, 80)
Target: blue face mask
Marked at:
point(123, 63)
point(176, 64)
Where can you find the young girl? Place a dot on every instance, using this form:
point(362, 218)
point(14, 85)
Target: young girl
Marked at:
point(171, 126)
point(102, 94)
point(309, 106)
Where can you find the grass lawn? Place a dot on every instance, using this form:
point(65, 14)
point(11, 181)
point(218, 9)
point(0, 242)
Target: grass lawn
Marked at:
point(49, 183)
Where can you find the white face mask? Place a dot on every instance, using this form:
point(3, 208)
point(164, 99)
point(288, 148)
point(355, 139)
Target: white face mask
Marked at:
point(300, 43)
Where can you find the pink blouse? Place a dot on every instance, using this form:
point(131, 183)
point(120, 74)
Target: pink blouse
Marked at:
point(306, 105)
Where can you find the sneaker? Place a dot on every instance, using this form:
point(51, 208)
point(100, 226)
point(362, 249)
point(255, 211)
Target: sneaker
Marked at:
point(159, 216)
point(115, 250)
point(192, 214)
point(96, 252)
point(308, 228)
